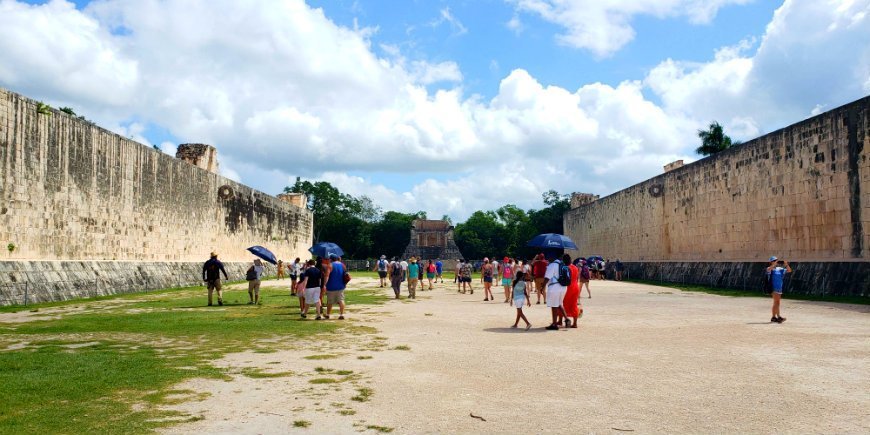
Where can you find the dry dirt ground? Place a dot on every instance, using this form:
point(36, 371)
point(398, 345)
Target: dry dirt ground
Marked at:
point(645, 359)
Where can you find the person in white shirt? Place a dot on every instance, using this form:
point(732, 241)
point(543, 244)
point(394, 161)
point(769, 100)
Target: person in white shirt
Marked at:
point(555, 291)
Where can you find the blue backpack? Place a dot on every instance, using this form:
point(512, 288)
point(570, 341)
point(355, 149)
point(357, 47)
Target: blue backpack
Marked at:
point(564, 274)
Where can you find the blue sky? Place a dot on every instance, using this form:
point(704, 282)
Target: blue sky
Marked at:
point(443, 106)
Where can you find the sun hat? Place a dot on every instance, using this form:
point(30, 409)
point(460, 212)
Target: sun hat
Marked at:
point(772, 258)
point(506, 259)
point(485, 258)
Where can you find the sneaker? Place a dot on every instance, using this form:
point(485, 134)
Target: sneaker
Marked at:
point(552, 327)
point(780, 319)
point(318, 318)
point(209, 304)
point(326, 317)
point(528, 326)
point(220, 302)
point(251, 303)
point(303, 315)
point(567, 323)
point(774, 320)
point(340, 317)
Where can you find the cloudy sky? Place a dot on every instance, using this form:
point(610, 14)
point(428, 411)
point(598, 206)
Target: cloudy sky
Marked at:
point(443, 106)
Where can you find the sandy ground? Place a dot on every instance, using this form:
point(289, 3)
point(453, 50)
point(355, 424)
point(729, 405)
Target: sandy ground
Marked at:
point(646, 359)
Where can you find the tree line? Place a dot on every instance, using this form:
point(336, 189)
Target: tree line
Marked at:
point(364, 230)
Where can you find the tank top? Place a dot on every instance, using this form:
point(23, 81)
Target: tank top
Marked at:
point(487, 272)
point(336, 277)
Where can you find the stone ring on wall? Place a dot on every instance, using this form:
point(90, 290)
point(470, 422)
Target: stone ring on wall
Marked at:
point(225, 192)
point(656, 190)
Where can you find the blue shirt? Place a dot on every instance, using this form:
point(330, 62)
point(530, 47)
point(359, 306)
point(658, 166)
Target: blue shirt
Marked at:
point(439, 266)
point(413, 270)
point(776, 277)
point(336, 277)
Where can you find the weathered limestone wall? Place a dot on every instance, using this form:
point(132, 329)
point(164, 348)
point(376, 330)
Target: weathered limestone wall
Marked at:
point(52, 281)
point(70, 190)
point(802, 193)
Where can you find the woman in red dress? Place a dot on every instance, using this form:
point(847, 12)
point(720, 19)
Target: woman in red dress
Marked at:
point(572, 295)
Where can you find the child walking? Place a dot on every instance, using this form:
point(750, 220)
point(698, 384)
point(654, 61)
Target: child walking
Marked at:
point(519, 297)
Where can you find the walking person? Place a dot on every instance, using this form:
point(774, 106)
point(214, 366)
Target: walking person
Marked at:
point(556, 279)
point(465, 276)
point(430, 273)
point(280, 267)
point(571, 301)
point(382, 267)
point(776, 271)
point(413, 277)
point(585, 277)
point(295, 268)
point(457, 272)
point(335, 283)
point(439, 270)
point(312, 280)
point(619, 268)
point(299, 287)
point(211, 274)
point(397, 275)
point(255, 272)
point(507, 274)
point(486, 278)
point(520, 297)
point(539, 270)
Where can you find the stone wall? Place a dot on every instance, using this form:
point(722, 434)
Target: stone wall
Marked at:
point(800, 193)
point(70, 190)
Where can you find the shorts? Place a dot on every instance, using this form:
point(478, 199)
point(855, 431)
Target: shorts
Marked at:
point(465, 279)
point(254, 286)
point(214, 284)
point(505, 281)
point(518, 303)
point(539, 283)
point(487, 279)
point(555, 295)
point(334, 296)
point(312, 295)
point(430, 275)
point(293, 276)
point(779, 292)
point(382, 274)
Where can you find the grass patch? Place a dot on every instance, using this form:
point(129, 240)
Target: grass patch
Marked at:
point(256, 373)
point(344, 372)
point(402, 347)
point(323, 381)
point(301, 423)
point(364, 357)
point(320, 357)
point(381, 429)
point(754, 293)
point(144, 345)
point(364, 394)
point(347, 412)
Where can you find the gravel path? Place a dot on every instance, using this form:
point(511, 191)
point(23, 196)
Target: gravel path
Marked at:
point(645, 359)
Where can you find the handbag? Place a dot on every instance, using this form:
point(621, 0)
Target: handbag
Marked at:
point(346, 278)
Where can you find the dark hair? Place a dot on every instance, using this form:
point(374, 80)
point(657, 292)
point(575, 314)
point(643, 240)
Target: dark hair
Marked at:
point(566, 259)
point(517, 278)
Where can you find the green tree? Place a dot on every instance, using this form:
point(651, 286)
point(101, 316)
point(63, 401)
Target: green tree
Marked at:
point(391, 234)
point(481, 235)
point(713, 140)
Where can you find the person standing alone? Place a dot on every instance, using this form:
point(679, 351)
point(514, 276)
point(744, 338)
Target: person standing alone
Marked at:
point(211, 274)
point(776, 271)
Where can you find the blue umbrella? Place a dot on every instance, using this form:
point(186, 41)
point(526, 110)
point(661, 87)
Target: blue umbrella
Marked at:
point(552, 241)
point(263, 253)
point(325, 249)
point(595, 258)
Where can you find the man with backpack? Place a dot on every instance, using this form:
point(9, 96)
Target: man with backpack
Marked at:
point(381, 268)
point(397, 275)
point(585, 276)
point(556, 280)
point(211, 274)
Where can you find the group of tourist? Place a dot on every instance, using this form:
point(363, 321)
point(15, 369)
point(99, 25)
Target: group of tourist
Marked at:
point(311, 282)
point(413, 271)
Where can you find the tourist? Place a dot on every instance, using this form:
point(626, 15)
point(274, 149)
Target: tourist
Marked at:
point(430, 273)
point(465, 276)
point(456, 275)
point(619, 268)
point(405, 269)
point(299, 289)
point(776, 271)
point(397, 275)
point(413, 277)
point(539, 269)
point(382, 267)
point(486, 278)
point(420, 270)
point(556, 289)
point(312, 280)
point(335, 283)
point(571, 301)
point(280, 267)
point(295, 269)
point(439, 270)
point(519, 297)
point(495, 267)
point(506, 274)
point(255, 272)
point(211, 274)
point(585, 276)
